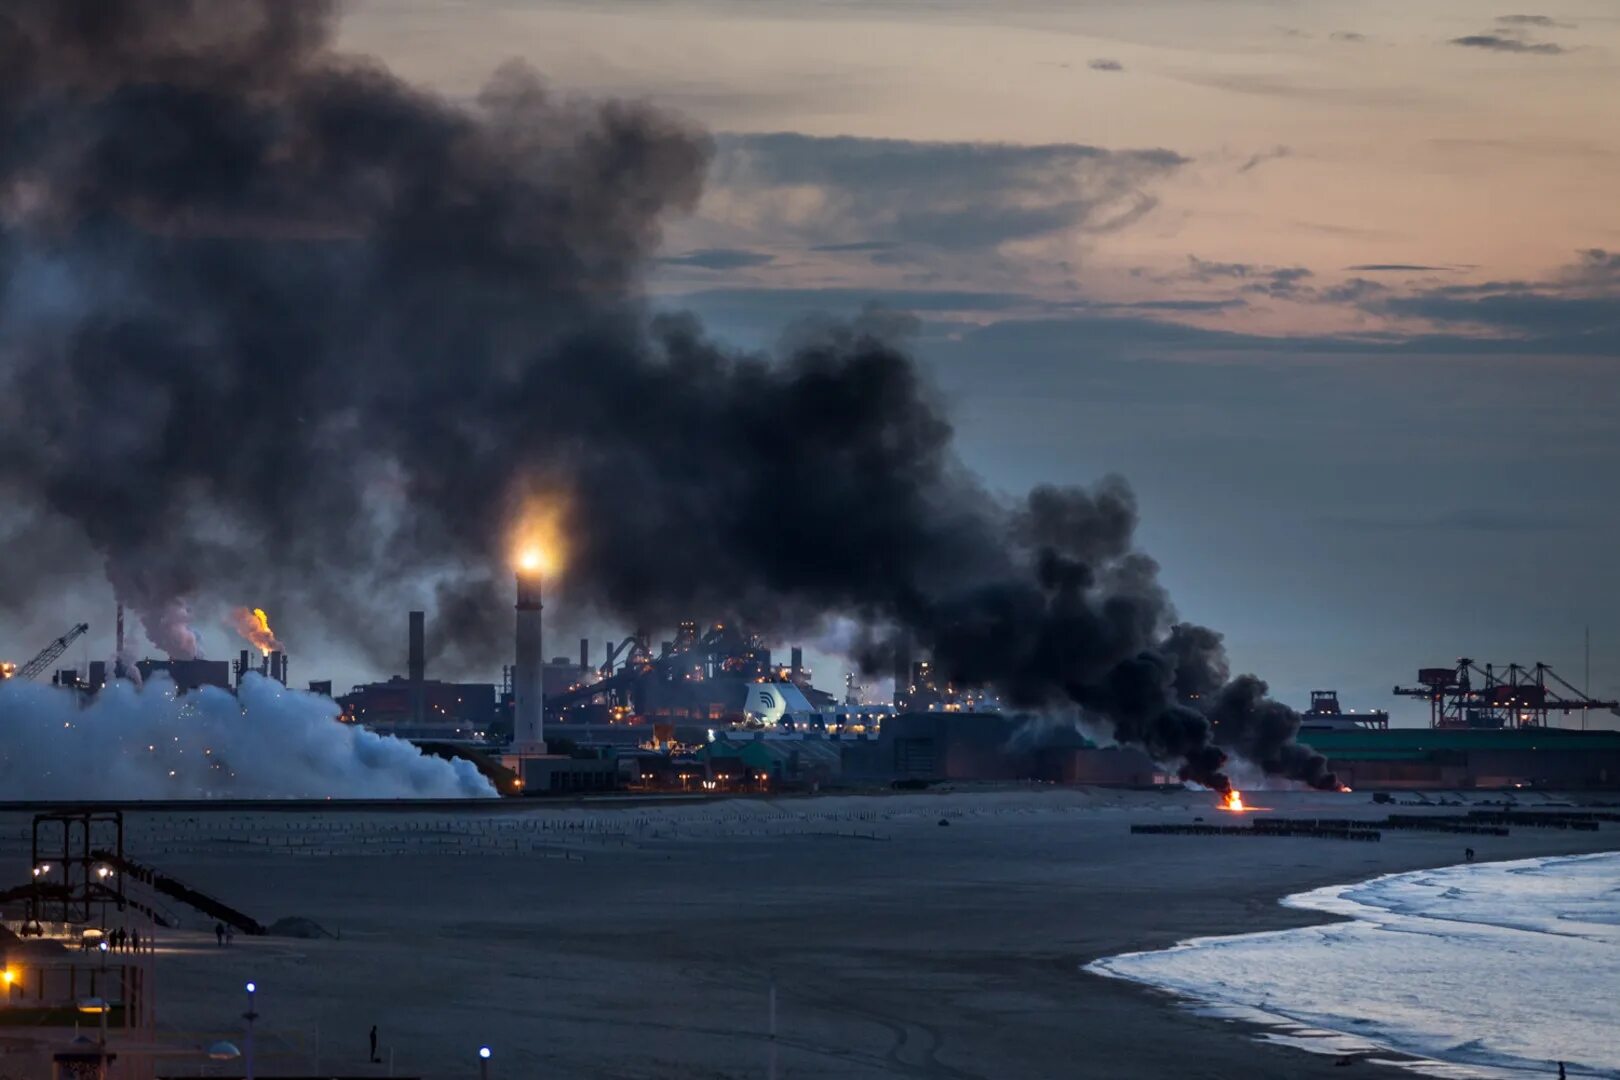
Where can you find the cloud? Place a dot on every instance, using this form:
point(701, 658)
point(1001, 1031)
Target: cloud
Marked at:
point(1595, 268)
point(1105, 64)
point(1181, 305)
point(1264, 156)
point(857, 246)
point(1396, 268)
point(1529, 20)
point(1519, 312)
point(1353, 291)
point(1387, 95)
point(843, 190)
point(1508, 44)
point(719, 259)
point(1275, 281)
point(1575, 309)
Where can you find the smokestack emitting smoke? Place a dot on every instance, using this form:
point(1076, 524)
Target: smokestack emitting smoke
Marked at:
point(529, 665)
point(194, 194)
point(416, 665)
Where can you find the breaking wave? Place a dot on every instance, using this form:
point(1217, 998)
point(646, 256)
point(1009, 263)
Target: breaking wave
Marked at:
point(1493, 969)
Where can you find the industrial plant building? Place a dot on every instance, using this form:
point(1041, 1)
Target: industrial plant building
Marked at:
point(710, 708)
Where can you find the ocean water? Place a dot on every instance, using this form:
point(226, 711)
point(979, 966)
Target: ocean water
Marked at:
point(1485, 970)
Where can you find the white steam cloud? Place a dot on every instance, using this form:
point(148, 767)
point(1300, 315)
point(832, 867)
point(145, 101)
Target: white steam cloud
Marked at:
point(149, 742)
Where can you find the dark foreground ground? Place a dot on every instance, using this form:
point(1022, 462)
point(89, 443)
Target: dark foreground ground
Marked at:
point(640, 943)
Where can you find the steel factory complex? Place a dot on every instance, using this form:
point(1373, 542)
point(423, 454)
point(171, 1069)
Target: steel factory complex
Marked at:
point(710, 709)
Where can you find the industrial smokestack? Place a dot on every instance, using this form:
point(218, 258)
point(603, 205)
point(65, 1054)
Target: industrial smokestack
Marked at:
point(798, 663)
point(528, 695)
point(584, 654)
point(416, 665)
point(277, 662)
point(242, 667)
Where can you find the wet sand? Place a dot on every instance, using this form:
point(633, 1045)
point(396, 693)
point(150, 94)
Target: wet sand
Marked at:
point(605, 946)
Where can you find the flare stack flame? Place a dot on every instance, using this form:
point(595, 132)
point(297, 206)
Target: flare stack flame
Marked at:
point(254, 625)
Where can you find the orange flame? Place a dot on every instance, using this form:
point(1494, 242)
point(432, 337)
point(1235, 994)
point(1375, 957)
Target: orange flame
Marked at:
point(254, 624)
point(537, 537)
point(1234, 801)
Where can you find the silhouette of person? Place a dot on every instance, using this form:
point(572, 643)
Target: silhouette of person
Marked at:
point(1561, 1071)
point(219, 933)
point(1469, 854)
point(373, 1044)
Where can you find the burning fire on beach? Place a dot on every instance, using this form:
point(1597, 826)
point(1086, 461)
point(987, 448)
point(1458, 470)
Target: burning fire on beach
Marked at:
point(1233, 802)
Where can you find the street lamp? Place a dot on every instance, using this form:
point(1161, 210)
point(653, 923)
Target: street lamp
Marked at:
point(250, 1016)
point(483, 1062)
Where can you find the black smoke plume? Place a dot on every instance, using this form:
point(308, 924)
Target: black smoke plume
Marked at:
point(276, 325)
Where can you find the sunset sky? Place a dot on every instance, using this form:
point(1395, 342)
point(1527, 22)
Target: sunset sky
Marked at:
point(1333, 285)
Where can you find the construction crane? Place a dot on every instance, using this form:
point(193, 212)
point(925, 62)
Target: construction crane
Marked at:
point(1516, 696)
point(48, 655)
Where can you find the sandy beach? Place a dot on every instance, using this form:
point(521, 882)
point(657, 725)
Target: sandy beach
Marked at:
point(640, 942)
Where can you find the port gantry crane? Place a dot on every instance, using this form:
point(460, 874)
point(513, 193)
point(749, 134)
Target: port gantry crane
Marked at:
point(49, 653)
point(1516, 696)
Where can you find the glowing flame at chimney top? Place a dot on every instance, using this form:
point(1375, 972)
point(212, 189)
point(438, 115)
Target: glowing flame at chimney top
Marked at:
point(254, 624)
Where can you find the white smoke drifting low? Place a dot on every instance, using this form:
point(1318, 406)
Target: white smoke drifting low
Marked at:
point(149, 742)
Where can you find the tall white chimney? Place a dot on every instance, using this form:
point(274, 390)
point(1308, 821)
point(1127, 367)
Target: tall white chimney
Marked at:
point(528, 701)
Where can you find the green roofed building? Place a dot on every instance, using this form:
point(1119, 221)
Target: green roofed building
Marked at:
point(1440, 758)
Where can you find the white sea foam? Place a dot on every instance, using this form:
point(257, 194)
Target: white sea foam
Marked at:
point(1492, 969)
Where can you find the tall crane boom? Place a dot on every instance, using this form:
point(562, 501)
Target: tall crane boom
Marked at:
point(48, 655)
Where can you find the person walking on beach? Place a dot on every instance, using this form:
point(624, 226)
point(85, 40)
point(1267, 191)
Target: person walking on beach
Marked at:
point(1468, 853)
point(374, 1044)
point(1561, 1071)
point(219, 933)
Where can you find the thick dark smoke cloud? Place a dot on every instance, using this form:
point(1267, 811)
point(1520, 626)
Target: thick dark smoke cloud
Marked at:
point(279, 328)
point(1262, 731)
